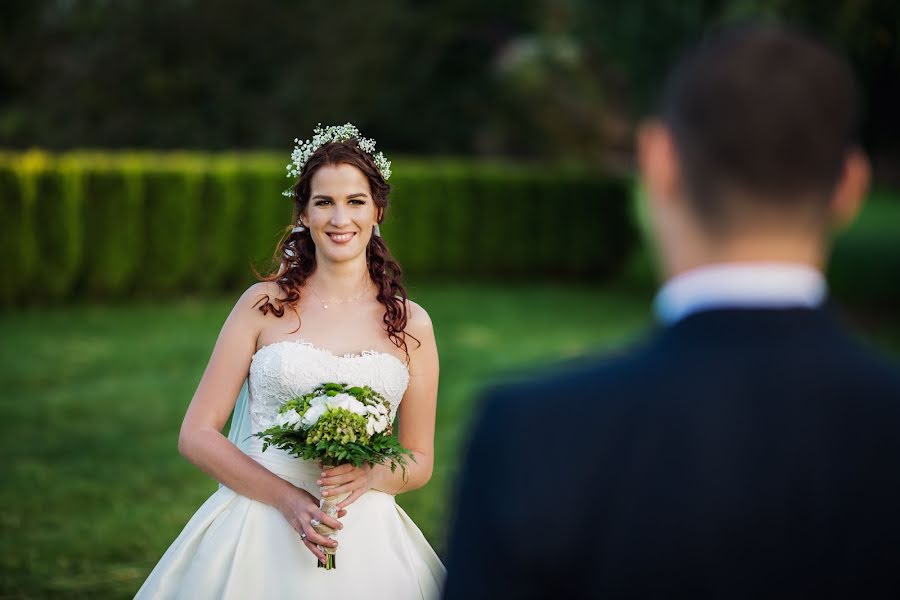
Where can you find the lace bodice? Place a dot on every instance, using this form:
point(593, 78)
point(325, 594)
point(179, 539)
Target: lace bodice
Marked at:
point(286, 369)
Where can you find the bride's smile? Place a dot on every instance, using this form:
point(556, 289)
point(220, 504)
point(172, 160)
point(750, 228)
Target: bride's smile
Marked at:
point(341, 238)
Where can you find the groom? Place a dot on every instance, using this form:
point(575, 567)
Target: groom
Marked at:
point(751, 447)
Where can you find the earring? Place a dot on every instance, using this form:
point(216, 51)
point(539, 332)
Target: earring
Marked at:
point(377, 230)
point(298, 229)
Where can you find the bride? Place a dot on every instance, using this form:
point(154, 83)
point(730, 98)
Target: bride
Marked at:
point(335, 311)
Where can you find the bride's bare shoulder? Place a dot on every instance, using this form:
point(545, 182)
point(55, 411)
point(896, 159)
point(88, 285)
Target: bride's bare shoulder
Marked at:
point(418, 321)
point(256, 296)
point(262, 291)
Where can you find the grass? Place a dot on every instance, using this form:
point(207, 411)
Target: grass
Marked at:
point(93, 488)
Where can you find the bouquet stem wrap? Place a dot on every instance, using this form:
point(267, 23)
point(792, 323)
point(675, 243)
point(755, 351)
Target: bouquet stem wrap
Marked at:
point(328, 505)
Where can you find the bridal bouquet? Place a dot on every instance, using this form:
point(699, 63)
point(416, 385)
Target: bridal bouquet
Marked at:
point(337, 424)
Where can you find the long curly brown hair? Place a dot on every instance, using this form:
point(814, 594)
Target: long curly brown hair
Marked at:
point(295, 254)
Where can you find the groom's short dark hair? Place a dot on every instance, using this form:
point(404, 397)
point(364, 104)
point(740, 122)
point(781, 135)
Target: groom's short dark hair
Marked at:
point(760, 111)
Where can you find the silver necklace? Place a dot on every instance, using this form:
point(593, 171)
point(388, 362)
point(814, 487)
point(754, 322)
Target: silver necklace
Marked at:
point(325, 303)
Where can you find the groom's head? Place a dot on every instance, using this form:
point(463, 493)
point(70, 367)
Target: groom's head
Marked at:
point(753, 153)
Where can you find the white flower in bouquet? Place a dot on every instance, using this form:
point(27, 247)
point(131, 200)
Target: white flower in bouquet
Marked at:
point(381, 424)
point(320, 404)
point(290, 419)
point(316, 409)
point(376, 420)
point(348, 402)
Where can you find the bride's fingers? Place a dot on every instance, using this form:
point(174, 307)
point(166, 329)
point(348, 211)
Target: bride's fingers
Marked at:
point(328, 520)
point(338, 470)
point(317, 538)
point(340, 478)
point(307, 533)
point(347, 487)
point(315, 550)
point(351, 499)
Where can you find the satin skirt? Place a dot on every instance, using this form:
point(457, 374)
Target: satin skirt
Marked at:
point(236, 548)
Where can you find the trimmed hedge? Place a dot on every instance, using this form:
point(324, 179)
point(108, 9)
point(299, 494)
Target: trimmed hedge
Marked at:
point(459, 219)
point(118, 224)
point(16, 229)
point(221, 201)
point(172, 206)
point(114, 203)
point(57, 202)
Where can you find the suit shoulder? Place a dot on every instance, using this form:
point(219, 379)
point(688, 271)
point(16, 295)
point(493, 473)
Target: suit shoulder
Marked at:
point(877, 370)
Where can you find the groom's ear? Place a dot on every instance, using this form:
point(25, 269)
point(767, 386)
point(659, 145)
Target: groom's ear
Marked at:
point(850, 189)
point(658, 161)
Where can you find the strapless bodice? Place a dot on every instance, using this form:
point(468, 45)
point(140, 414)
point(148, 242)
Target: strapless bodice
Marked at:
point(287, 369)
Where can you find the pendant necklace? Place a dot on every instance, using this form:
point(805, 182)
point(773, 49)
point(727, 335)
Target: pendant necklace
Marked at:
point(325, 303)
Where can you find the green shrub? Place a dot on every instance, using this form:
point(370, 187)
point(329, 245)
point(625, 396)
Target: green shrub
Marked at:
point(172, 201)
point(219, 225)
point(495, 221)
point(57, 201)
point(114, 225)
point(24, 261)
point(397, 222)
point(15, 234)
point(265, 216)
point(616, 234)
point(412, 226)
point(455, 193)
point(153, 223)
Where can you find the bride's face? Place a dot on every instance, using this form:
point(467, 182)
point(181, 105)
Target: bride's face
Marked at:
point(341, 212)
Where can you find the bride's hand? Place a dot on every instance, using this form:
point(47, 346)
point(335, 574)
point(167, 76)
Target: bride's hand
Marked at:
point(348, 479)
point(300, 507)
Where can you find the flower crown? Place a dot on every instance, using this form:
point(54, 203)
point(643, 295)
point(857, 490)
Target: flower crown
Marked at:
point(304, 149)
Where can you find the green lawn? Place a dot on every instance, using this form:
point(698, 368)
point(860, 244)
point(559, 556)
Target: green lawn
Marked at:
point(93, 489)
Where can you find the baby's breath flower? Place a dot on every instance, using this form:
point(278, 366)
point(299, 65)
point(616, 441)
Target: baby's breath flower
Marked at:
point(304, 149)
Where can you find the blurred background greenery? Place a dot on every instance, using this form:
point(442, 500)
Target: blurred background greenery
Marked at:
point(142, 153)
point(513, 78)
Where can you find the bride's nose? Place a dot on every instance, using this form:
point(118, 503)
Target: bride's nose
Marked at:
point(340, 216)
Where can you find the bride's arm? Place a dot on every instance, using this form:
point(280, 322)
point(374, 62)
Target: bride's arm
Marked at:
point(416, 415)
point(417, 410)
point(201, 440)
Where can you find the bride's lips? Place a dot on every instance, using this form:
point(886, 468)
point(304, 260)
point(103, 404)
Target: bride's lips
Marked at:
point(341, 238)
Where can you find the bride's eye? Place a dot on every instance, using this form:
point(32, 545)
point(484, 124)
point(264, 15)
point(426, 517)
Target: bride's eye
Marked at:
point(357, 201)
point(322, 202)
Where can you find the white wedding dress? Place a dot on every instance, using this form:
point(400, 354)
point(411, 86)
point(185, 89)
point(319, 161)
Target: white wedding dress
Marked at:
point(236, 548)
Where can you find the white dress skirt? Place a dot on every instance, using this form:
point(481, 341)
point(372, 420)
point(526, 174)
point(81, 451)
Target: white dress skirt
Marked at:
point(237, 548)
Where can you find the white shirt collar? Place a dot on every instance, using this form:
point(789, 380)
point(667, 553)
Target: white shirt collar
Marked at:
point(740, 285)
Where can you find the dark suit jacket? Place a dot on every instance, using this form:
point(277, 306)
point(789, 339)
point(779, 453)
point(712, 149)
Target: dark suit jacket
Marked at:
point(737, 454)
